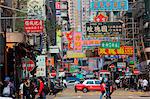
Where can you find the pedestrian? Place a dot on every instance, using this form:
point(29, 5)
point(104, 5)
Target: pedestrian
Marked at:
point(21, 89)
point(64, 83)
point(26, 89)
point(109, 88)
point(41, 94)
point(102, 88)
point(32, 89)
point(117, 81)
point(8, 88)
point(145, 84)
point(140, 84)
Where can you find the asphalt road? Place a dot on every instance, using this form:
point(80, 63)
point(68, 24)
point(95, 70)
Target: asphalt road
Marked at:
point(118, 94)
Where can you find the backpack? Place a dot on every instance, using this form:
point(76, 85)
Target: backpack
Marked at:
point(6, 91)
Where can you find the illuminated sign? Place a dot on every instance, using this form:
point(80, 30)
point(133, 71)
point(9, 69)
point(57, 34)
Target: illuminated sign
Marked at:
point(71, 54)
point(111, 45)
point(33, 26)
point(109, 5)
point(103, 28)
point(77, 41)
point(123, 50)
point(91, 43)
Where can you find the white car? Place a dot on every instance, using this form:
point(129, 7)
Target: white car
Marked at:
point(72, 82)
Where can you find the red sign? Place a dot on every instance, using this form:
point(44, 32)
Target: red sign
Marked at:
point(28, 65)
point(57, 5)
point(100, 18)
point(33, 26)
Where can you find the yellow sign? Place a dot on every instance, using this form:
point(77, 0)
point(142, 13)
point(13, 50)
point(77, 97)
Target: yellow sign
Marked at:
point(71, 54)
point(123, 50)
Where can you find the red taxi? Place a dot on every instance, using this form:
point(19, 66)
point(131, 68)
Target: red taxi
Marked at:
point(88, 85)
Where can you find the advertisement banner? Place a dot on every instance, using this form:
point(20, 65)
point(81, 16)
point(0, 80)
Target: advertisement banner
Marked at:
point(50, 62)
point(57, 5)
point(72, 54)
point(111, 45)
point(121, 64)
point(36, 10)
point(41, 69)
point(91, 43)
point(77, 41)
point(109, 5)
point(103, 28)
point(58, 39)
point(33, 26)
point(121, 51)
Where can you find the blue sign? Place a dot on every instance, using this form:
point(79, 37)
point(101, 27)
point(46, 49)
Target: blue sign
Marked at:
point(109, 5)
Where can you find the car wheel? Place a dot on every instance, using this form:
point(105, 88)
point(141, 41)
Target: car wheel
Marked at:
point(85, 90)
point(75, 90)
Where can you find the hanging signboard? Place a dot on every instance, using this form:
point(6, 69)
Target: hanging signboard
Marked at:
point(121, 64)
point(100, 18)
point(77, 41)
point(33, 26)
point(111, 45)
point(109, 5)
point(123, 50)
point(41, 69)
point(71, 54)
point(102, 29)
point(91, 43)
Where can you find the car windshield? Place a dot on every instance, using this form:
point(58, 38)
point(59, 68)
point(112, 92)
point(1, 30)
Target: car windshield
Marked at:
point(97, 82)
point(89, 82)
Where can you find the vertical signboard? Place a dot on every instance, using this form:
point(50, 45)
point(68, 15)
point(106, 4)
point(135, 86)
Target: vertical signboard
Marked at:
point(41, 69)
point(58, 39)
point(77, 41)
point(36, 9)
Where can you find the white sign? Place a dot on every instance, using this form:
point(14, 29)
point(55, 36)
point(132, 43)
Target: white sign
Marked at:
point(54, 49)
point(121, 64)
point(36, 9)
point(41, 69)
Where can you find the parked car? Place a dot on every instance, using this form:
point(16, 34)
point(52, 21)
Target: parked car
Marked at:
point(88, 85)
point(72, 82)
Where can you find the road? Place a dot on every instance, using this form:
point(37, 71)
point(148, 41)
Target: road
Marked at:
point(118, 94)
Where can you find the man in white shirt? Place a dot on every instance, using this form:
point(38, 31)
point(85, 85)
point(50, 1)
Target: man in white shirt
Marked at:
point(145, 84)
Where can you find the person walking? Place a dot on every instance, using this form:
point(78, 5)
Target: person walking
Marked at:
point(21, 89)
point(26, 89)
point(145, 84)
point(8, 88)
point(109, 88)
point(102, 88)
point(41, 94)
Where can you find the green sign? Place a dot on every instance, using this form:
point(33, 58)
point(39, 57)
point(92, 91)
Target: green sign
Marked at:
point(73, 69)
point(111, 45)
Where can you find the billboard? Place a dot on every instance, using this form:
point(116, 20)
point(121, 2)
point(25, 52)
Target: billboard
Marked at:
point(36, 10)
point(123, 50)
point(33, 26)
point(109, 5)
point(111, 45)
point(102, 29)
point(77, 41)
point(72, 54)
point(41, 69)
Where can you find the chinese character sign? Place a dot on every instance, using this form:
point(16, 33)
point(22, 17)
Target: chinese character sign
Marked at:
point(109, 5)
point(103, 28)
point(33, 26)
point(77, 41)
point(123, 50)
point(111, 45)
point(41, 69)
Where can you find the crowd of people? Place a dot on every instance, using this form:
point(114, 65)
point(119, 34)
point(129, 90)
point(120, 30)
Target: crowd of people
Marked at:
point(132, 83)
point(33, 88)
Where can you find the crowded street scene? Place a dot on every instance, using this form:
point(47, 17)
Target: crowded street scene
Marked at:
point(74, 49)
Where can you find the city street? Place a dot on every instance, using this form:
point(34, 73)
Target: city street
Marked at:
point(118, 94)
